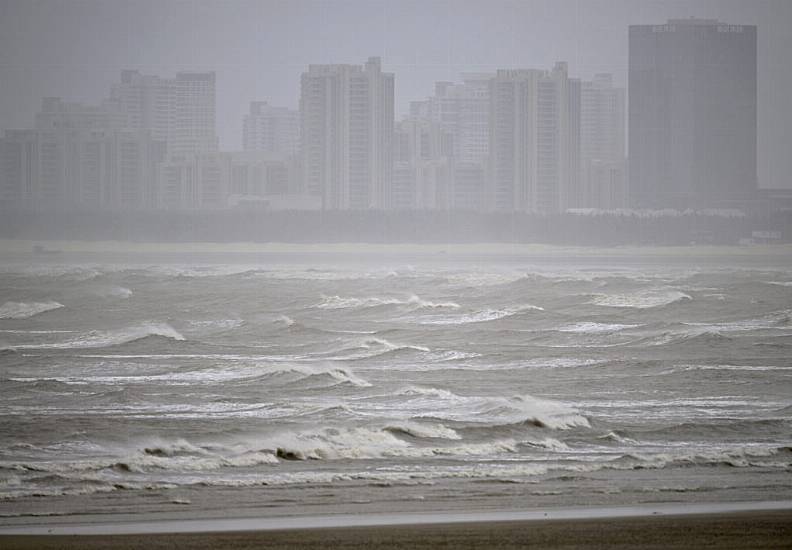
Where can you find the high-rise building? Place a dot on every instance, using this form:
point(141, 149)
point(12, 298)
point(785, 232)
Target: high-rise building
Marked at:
point(194, 182)
point(78, 157)
point(179, 111)
point(423, 164)
point(463, 110)
point(271, 129)
point(602, 144)
point(692, 113)
point(534, 140)
point(346, 115)
point(469, 182)
point(195, 118)
point(220, 180)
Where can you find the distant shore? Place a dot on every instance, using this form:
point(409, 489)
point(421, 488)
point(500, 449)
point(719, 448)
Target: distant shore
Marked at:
point(733, 530)
point(65, 247)
point(598, 228)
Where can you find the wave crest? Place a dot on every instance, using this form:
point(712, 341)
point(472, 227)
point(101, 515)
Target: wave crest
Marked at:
point(101, 339)
point(338, 302)
point(481, 316)
point(645, 299)
point(24, 310)
point(368, 348)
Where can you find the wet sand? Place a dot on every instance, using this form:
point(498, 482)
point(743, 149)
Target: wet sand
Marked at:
point(742, 530)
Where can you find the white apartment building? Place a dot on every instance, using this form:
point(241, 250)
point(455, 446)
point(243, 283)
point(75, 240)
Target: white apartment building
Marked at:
point(346, 128)
point(423, 166)
point(78, 157)
point(219, 180)
point(534, 140)
point(463, 110)
point(178, 110)
point(602, 144)
point(271, 129)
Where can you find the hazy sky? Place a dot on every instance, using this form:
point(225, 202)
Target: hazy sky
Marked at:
point(75, 49)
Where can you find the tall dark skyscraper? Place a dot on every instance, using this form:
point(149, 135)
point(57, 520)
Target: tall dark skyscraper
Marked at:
point(692, 113)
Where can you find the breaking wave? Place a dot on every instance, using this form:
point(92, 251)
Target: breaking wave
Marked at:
point(493, 411)
point(179, 455)
point(775, 320)
point(368, 348)
point(24, 310)
point(741, 457)
point(334, 375)
point(423, 431)
point(594, 328)
point(101, 339)
point(481, 316)
point(338, 302)
point(641, 300)
point(371, 443)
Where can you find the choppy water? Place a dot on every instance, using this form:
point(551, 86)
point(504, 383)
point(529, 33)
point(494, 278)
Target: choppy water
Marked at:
point(393, 380)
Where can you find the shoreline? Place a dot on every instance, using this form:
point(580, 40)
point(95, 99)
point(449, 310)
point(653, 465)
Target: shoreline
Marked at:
point(735, 530)
point(25, 247)
point(127, 526)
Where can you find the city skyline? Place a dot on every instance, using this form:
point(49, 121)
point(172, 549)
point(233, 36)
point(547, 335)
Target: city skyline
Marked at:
point(253, 65)
point(152, 145)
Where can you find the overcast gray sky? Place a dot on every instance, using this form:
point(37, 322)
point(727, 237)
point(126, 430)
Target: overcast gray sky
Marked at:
point(75, 48)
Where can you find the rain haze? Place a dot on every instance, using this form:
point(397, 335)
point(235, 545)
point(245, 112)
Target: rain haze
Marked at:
point(395, 273)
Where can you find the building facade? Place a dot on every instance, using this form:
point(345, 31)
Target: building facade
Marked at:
point(692, 113)
point(78, 157)
point(346, 128)
point(179, 111)
point(423, 166)
point(462, 109)
point(534, 140)
point(602, 144)
point(271, 129)
point(221, 180)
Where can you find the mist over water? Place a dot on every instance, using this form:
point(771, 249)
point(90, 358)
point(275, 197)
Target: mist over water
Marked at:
point(445, 380)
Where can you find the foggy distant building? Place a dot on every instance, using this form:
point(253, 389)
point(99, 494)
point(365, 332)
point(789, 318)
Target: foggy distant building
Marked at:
point(692, 113)
point(220, 180)
point(469, 186)
point(423, 164)
point(534, 140)
point(346, 114)
point(194, 182)
point(463, 110)
point(78, 157)
point(57, 114)
point(602, 144)
point(271, 129)
point(179, 111)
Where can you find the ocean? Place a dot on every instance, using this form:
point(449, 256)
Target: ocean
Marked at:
point(302, 382)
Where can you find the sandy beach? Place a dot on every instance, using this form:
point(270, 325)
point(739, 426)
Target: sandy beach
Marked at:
point(740, 530)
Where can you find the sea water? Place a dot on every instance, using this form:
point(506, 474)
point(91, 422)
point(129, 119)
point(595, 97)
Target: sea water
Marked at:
point(300, 382)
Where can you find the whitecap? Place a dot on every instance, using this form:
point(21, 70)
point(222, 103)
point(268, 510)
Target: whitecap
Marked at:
point(24, 310)
point(641, 300)
point(481, 316)
point(371, 347)
point(99, 339)
point(416, 302)
point(423, 430)
point(336, 374)
point(586, 327)
point(284, 320)
point(443, 405)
